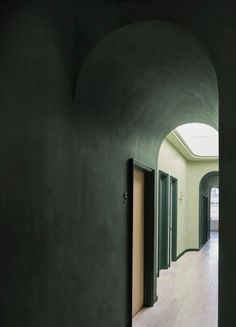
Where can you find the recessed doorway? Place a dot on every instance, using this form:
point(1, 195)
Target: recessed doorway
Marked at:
point(142, 236)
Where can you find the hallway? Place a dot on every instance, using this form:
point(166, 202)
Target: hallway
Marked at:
point(187, 291)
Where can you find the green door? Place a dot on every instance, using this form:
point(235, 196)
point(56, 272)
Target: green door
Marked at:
point(173, 218)
point(204, 223)
point(163, 223)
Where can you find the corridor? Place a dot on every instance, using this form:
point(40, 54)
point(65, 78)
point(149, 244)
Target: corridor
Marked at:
point(187, 291)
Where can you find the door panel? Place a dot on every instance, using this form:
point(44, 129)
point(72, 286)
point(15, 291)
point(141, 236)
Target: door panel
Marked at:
point(163, 223)
point(138, 241)
point(173, 218)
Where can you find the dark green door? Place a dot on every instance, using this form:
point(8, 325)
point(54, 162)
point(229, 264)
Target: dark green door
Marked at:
point(204, 223)
point(173, 218)
point(163, 223)
point(206, 218)
point(208, 222)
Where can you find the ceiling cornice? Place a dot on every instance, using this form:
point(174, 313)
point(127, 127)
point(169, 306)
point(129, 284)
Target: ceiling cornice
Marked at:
point(177, 141)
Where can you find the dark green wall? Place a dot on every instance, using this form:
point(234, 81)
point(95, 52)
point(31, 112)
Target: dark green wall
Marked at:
point(68, 128)
point(36, 142)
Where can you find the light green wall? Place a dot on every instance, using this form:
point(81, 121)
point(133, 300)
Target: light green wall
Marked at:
point(189, 175)
point(195, 172)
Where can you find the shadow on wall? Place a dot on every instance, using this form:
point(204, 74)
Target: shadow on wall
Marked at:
point(64, 166)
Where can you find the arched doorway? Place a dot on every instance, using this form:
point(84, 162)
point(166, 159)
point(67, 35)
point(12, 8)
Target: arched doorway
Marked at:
point(186, 155)
point(208, 181)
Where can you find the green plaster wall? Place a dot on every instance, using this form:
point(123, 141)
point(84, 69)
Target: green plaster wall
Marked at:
point(65, 234)
point(64, 149)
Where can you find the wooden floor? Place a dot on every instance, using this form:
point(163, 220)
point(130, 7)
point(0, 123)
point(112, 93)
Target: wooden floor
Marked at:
point(187, 292)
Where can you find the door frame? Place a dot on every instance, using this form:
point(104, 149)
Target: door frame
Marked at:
point(163, 223)
point(174, 212)
point(150, 296)
point(204, 225)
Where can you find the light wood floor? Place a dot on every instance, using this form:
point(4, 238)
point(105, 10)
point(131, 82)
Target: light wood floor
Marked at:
point(187, 292)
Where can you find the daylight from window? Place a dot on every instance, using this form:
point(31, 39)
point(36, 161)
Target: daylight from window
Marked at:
point(201, 139)
point(214, 210)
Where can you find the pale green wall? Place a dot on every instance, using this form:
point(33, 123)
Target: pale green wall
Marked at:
point(189, 175)
point(195, 172)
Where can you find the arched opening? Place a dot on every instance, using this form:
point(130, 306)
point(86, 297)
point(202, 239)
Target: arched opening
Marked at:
point(186, 154)
point(181, 224)
point(209, 181)
point(135, 87)
point(187, 157)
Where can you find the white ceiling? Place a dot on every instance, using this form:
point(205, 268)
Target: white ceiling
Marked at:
point(201, 139)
